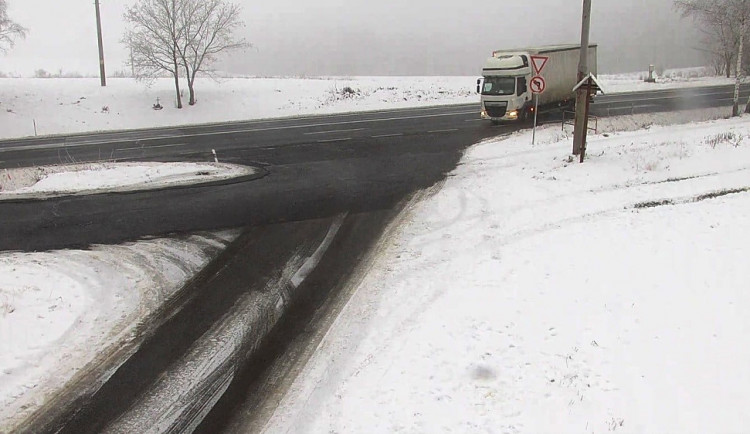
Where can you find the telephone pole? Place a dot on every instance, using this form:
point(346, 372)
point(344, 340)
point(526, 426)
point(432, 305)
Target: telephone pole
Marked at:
point(102, 74)
point(579, 132)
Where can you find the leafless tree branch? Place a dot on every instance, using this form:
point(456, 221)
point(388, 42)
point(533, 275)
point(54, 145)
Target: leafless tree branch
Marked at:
point(725, 24)
point(9, 29)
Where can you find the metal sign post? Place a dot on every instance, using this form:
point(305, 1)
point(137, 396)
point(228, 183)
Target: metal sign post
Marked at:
point(536, 109)
point(537, 86)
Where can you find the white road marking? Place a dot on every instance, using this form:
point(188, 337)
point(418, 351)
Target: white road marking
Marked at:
point(387, 135)
point(658, 98)
point(730, 99)
point(173, 145)
point(333, 131)
point(335, 140)
point(249, 130)
point(449, 130)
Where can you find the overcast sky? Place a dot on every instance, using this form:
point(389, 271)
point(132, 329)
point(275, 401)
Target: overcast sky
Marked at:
point(366, 37)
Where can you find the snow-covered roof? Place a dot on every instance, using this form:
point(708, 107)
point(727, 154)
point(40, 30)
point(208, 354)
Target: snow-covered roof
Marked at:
point(542, 49)
point(508, 62)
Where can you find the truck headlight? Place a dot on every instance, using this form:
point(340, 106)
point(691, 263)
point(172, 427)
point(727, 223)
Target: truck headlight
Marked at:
point(513, 114)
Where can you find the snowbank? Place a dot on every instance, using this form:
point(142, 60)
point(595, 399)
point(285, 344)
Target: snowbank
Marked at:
point(87, 178)
point(62, 310)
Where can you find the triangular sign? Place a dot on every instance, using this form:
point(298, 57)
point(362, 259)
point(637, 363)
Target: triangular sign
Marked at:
point(538, 62)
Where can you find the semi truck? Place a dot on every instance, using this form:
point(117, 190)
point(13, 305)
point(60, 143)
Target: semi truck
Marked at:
point(506, 77)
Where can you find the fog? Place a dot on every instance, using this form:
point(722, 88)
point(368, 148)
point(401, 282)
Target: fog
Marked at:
point(358, 37)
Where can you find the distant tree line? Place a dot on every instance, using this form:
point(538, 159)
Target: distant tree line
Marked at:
point(725, 25)
point(180, 38)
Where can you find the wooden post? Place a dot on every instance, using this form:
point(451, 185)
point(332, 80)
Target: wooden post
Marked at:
point(586, 119)
point(102, 74)
point(579, 132)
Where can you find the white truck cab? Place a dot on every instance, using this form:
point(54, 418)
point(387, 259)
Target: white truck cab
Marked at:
point(504, 87)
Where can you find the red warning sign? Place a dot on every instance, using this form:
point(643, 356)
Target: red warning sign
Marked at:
point(537, 84)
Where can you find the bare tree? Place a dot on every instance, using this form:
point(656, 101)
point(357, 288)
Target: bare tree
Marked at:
point(153, 37)
point(720, 43)
point(9, 29)
point(180, 37)
point(729, 21)
point(209, 27)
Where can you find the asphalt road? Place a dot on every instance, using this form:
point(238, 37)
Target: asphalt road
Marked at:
point(313, 168)
point(668, 100)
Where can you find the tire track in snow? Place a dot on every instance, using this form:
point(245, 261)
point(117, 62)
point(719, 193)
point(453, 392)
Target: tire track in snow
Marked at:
point(187, 392)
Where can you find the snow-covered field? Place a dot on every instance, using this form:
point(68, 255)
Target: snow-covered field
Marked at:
point(669, 79)
point(76, 105)
point(528, 294)
point(35, 106)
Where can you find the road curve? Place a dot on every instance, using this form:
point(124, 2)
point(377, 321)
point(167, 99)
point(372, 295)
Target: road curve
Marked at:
point(314, 169)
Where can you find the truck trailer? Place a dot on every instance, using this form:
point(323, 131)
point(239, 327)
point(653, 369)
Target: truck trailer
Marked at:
point(504, 86)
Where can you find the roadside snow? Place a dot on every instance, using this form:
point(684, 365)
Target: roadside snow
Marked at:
point(530, 294)
point(112, 177)
point(62, 310)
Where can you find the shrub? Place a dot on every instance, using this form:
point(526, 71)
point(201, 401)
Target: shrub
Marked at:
point(729, 137)
point(41, 73)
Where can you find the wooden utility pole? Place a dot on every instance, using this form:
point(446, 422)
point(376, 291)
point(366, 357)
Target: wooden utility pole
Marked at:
point(582, 97)
point(738, 78)
point(102, 74)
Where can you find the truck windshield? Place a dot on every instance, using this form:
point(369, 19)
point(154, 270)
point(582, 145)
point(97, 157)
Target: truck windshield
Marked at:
point(499, 86)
